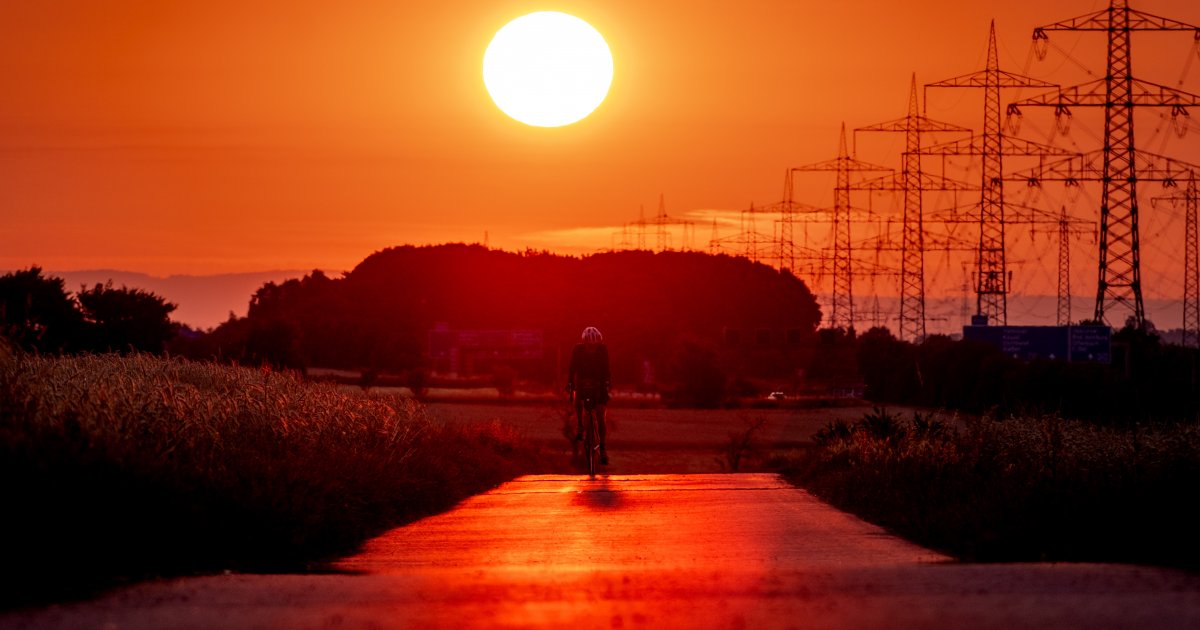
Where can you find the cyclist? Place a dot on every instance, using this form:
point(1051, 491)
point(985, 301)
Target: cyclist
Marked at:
point(590, 375)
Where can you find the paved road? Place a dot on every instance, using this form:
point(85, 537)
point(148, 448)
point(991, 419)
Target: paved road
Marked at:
point(663, 551)
point(655, 440)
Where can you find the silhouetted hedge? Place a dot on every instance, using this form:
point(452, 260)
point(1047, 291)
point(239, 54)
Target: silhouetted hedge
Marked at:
point(1022, 489)
point(1147, 381)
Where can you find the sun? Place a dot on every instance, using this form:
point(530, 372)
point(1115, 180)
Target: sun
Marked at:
point(548, 69)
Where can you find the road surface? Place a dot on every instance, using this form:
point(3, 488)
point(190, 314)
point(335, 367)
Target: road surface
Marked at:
point(654, 551)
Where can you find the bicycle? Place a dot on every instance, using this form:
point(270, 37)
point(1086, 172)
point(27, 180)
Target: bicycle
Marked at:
point(589, 399)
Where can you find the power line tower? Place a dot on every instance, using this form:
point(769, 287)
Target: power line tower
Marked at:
point(747, 242)
point(660, 222)
point(786, 247)
point(991, 279)
point(912, 183)
point(637, 229)
point(1120, 275)
point(714, 246)
point(1191, 261)
point(1063, 317)
point(641, 232)
point(1191, 270)
point(842, 307)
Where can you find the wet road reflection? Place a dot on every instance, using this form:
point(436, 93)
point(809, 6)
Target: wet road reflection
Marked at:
point(654, 551)
point(555, 550)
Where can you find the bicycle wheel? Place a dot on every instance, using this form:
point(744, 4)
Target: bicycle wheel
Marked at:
point(591, 443)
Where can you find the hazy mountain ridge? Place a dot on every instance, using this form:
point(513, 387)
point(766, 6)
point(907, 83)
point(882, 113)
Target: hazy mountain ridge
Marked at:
point(204, 301)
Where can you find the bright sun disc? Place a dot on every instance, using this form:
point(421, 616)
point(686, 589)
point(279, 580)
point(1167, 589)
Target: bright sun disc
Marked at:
point(547, 69)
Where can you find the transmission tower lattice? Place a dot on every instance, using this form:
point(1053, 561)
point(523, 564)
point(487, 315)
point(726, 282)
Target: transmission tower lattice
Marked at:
point(1120, 276)
point(842, 307)
point(1191, 270)
point(1191, 262)
point(913, 182)
point(1063, 317)
point(991, 279)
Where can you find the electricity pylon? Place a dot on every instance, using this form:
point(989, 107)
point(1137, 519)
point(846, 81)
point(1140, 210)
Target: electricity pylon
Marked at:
point(842, 307)
point(1191, 270)
point(1063, 317)
point(1191, 261)
point(991, 279)
point(912, 182)
point(659, 225)
point(786, 247)
point(1120, 275)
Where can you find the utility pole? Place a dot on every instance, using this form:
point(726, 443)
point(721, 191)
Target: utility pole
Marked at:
point(1119, 272)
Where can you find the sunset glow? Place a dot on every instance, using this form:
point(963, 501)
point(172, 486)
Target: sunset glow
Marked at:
point(215, 137)
point(548, 69)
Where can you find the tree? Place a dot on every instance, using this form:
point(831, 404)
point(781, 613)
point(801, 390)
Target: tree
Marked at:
point(125, 320)
point(700, 381)
point(888, 367)
point(274, 342)
point(37, 313)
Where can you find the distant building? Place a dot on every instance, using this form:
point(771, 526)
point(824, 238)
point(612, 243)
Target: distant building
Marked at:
point(469, 351)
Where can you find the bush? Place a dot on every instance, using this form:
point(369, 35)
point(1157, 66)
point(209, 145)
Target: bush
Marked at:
point(700, 381)
point(881, 425)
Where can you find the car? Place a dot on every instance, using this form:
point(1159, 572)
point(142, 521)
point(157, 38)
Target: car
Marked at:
point(776, 396)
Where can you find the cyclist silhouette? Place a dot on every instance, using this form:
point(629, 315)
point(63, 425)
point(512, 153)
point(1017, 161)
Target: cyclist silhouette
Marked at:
point(589, 376)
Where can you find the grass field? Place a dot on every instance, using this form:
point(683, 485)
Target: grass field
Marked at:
point(1015, 489)
point(121, 468)
point(648, 440)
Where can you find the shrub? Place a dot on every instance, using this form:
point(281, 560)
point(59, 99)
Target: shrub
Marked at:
point(881, 425)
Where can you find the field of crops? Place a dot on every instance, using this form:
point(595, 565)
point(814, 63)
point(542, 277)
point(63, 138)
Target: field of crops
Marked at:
point(115, 468)
point(1015, 489)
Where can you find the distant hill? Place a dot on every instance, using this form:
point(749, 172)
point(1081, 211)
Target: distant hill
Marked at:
point(649, 306)
point(204, 301)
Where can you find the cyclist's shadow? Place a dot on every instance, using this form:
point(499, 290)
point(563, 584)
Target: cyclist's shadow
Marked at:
point(599, 494)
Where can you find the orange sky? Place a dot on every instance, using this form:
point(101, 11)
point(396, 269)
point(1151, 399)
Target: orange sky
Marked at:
point(207, 136)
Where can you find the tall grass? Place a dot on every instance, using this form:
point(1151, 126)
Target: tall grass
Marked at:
point(115, 468)
point(1016, 489)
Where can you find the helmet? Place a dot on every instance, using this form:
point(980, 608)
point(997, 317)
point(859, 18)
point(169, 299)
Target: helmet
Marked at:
point(592, 335)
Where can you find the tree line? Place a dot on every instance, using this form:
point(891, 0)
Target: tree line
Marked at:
point(669, 317)
point(665, 312)
point(38, 314)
